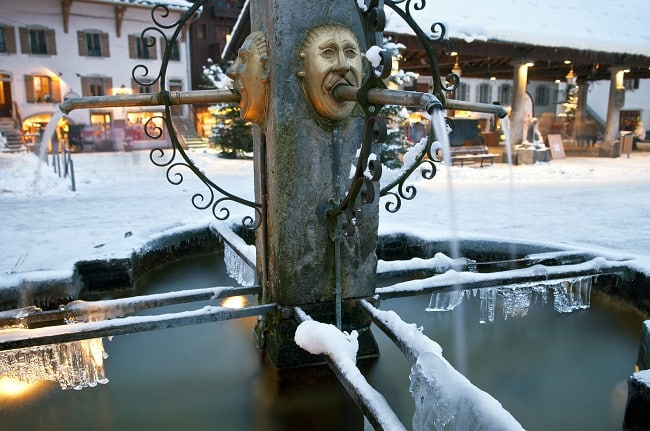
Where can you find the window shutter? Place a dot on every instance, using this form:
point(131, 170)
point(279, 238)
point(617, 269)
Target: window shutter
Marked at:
point(106, 52)
point(10, 39)
point(24, 40)
point(51, 42)
point(85, 87)
point(108, 86)
point(56, 90)
point(29, 88)
point(132, 48)
point(153, 53)
point(81, 42)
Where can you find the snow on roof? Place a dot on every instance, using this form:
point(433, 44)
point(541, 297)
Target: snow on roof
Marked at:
point(172, 4)
point(621, 26)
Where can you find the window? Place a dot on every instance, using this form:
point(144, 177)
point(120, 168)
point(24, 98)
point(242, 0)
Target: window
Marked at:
point(505, 94)
point(484, 93)
point(142, 88)
point(142, 49)
point(462, 92)
point(631, 83)
point(37, 40)
point(175, 54)
point(201, 31)
point(93, 43)
point(96, 86)
point(42, 89)
point(542, 95)
point(3, 43)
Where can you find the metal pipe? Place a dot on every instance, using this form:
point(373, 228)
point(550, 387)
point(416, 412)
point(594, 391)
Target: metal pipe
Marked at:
point(81, 310)
point(427, 101)
point(372, 403)
point(22, 338)
point(150, 99)
point(473, 280)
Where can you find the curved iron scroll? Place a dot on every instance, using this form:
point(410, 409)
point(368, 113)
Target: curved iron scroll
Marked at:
point(215, 197)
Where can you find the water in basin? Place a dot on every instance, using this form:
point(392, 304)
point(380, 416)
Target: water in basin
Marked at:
point(550, 370)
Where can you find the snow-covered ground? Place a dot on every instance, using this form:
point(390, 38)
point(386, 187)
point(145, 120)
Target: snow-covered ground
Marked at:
point(124, 201)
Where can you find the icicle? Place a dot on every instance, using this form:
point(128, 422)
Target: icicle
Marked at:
point(74, 365)
point(572, 295)
point(237, 268)
point(445, 301)
point(488, 299)
point(515, 301)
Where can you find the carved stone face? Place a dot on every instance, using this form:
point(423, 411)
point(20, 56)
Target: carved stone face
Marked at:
point(331, 57)
point(250, 77)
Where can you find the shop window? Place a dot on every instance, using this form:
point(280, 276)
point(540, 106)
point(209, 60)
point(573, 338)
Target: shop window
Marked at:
point(96, 86)
point(143, 49)
point(101, 122)
point(93, 44)
point(37, 40)
point(484, 93)
point(42, 89)
point(7, 39)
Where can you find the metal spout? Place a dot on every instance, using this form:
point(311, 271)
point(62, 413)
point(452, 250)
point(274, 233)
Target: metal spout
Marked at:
point(150, 99)
point(426, 101)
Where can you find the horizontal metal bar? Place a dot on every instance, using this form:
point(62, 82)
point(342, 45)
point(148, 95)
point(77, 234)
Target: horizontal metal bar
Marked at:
point(427, 101)
point(120, 307)
point(449, 283)
point(22, 338)
point(150, 99)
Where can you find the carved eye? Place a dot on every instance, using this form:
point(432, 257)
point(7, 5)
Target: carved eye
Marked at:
point(243, 56)
point(351, 53)
point(328, 53)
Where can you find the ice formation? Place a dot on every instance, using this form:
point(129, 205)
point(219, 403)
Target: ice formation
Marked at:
point(237, 268)
point(514, 301)
point(74, 365)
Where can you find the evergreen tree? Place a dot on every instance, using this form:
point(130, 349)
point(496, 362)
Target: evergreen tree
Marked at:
point(393, 150)
point(232, 133)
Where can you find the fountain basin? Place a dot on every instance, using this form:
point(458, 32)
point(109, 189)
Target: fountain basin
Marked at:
point(282, 391)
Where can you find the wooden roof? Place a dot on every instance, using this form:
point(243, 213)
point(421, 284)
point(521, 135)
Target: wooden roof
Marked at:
point(485, 59)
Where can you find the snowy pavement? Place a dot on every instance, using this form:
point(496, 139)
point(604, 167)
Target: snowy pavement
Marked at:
point(124, 201)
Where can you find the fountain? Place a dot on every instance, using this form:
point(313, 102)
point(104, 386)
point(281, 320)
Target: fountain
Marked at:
point(302, 79)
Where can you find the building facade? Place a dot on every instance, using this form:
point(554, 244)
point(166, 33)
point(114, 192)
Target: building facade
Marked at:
point(54, 50)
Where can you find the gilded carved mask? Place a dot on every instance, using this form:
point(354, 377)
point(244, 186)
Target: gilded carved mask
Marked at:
point(250, 75)
point(332, 57)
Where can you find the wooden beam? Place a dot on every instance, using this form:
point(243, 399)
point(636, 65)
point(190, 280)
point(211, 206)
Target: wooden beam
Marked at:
point(119, 18)
point(66, 5)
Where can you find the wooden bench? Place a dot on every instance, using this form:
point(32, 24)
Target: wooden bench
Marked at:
point(472, 154)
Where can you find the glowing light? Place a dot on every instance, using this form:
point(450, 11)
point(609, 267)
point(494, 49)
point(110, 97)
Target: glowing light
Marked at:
point(234, 302)
point(14, 388)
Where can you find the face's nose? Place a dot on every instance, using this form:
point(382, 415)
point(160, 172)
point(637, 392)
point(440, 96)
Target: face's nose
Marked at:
point(234, 70)
point(342, 65)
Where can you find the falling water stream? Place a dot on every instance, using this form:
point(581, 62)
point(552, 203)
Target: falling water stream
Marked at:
point(446, 301)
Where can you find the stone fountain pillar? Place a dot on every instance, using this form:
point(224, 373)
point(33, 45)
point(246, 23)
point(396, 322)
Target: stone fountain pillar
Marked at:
point(305, 156)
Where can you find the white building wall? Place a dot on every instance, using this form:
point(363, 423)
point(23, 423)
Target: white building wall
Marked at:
point(67, 64)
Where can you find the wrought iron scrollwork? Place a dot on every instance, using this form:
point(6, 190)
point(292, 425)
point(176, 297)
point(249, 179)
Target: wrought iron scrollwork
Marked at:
point(435, 41)
point(425, 154)
point(367, 173)
point(177, 160)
